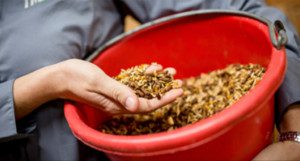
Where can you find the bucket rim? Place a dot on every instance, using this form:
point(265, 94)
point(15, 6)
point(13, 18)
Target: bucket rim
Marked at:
point(277, 31)
point(134, 144)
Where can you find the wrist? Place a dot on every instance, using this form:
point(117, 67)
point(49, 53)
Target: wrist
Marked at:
point(61, 80)
point(34, 89)
point(57, 81)
point(290, 120)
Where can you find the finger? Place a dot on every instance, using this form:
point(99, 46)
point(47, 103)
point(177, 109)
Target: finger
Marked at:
point(118, 92)
point(178, 82)
point(103, 103)
point(153, 67)
point(146, 105)
point(170, 70)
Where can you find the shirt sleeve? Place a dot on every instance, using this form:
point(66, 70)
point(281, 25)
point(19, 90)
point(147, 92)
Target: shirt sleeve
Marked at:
point(7, 114)
point(288, 93)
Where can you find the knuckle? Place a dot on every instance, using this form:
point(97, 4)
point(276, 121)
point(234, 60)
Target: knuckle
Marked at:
point(150, 106)
point(116, 94)
point(108, 106)
point(104, 102)
point(147, 106)
point(93, 81)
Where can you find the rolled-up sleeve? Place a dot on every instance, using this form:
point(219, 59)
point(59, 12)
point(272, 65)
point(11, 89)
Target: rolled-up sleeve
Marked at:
point(7, 115)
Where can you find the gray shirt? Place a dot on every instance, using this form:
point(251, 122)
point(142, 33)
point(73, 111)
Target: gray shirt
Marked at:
point(37, 33)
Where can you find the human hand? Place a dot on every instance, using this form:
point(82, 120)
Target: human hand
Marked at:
point(286, 150)
point(87, 83)
point(82, 81)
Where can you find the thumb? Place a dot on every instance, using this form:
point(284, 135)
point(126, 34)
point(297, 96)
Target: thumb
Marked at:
point(119, 93)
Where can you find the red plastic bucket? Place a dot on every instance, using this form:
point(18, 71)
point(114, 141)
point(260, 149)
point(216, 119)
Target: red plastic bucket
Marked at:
point(193, 43)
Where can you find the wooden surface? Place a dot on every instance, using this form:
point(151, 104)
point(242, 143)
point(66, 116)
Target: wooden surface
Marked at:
point(291, 8)
point(130, 23)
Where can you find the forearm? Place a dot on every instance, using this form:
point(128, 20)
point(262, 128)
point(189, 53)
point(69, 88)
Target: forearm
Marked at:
point(291, 119)
point(34, 89)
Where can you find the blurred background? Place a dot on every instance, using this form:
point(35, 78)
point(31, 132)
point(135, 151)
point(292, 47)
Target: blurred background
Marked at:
point(291, 8)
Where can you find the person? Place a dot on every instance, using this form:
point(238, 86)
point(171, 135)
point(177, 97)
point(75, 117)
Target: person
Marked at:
point(41, 46)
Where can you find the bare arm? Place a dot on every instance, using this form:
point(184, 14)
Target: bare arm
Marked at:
point(84, 82)
point(287, 150)
point(34, 89)
point(291, 119)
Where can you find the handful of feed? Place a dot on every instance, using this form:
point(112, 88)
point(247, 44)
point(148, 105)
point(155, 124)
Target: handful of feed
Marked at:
point(147, 85)
point(203, 96)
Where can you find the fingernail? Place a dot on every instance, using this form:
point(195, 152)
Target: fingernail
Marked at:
point(130, 104)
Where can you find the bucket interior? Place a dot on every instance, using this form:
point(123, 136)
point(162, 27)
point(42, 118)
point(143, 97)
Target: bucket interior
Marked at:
point(192, 45)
